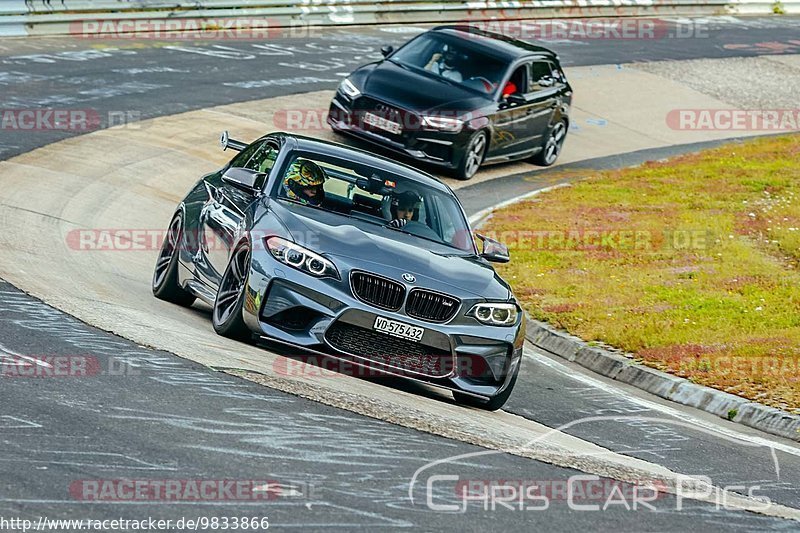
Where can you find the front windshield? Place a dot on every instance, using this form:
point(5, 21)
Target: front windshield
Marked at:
point(375, 196)
point(452, 60)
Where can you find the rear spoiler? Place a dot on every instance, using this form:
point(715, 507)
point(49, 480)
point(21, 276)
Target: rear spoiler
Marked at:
point(226, 142)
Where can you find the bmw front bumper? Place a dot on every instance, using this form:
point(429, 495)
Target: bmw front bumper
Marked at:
point(324, 317)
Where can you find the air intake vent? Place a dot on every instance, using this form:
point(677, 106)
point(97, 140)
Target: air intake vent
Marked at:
point(399, 354)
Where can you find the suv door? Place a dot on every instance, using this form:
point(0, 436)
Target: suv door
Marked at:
point(522, 120)
point(543, 98)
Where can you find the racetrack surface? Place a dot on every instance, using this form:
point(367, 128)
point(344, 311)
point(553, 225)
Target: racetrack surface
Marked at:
point(117, 180)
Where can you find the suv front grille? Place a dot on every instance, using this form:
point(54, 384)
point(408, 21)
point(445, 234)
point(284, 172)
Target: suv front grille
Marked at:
point(432, 306)
point(378, 291)
point(391, 351)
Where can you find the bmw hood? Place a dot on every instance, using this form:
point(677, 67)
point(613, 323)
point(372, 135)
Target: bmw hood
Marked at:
point(418, 92)
point(355, 244)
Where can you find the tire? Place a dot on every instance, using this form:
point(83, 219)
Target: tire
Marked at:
point(552, 146)
point(493, 404)
point(226, 316)
point(473, 156)
point(165, 275)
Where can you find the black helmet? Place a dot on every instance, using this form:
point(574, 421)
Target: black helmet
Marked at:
point(406, 200)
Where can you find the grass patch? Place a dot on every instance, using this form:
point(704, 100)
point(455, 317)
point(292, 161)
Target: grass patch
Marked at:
point(691, 264)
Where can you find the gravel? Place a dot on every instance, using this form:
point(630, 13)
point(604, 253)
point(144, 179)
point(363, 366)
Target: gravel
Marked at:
point(764, 82)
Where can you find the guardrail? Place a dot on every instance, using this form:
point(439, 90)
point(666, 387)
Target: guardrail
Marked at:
point(39, 17)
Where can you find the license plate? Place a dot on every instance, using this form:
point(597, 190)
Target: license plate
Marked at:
point(398, 329)
point(382, 123)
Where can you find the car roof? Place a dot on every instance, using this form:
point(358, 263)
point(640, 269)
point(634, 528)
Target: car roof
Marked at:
point(501, 45)
point(311, 144)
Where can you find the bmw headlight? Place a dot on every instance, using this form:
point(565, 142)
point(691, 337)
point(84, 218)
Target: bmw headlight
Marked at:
point(495, 314)
point(449, 124)
point(348, 89)
point(301, 258)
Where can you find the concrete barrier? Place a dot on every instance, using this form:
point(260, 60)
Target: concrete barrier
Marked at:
point(41, 17)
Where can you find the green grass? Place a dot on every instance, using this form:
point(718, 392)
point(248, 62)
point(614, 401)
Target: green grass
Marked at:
point(701, 277)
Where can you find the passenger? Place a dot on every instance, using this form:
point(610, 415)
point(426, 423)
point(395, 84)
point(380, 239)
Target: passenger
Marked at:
point(304, 181)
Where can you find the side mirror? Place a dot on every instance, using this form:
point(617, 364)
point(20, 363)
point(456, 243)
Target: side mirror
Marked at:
point(386, 50)
point(244, 179)
point(494, 251)
point(516, 99)
point(547, 81)
point(226, 142)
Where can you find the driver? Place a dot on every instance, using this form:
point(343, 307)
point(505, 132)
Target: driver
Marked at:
point(443, 64)
point(403, 207)
point(304, 182)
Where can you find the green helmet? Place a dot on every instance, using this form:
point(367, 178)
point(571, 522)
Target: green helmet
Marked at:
point(302, 176)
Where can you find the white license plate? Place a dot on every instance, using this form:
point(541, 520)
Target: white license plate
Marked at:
point(398, 329)
point(382, 123)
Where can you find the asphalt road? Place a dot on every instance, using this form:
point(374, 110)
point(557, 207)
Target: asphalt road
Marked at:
point(140, 414)
point(118, 80)
point(160, 417)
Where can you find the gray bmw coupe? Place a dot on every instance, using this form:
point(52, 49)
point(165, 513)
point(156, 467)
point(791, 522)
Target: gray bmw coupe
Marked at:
point(348, 255)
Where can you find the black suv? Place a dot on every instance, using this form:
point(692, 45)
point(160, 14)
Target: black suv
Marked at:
point(458, 97)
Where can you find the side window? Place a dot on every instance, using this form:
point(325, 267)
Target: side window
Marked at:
point(263, 159)
point(244, 156)
point(540, 70)
point(518, 82)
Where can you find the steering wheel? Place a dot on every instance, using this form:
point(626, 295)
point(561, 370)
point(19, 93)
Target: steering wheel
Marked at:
point(487, 85)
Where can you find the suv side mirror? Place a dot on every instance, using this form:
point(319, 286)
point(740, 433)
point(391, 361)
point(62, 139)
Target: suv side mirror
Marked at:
point(546, 81)
point(386, 50)
point(244, 179)
point(494, 251)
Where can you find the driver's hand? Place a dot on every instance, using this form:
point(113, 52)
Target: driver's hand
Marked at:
point(398, 222)
point(434, 58)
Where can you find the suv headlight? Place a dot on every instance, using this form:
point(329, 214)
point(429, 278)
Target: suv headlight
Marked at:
point(452, 125)
point(301, 258)
point(348, 89)
point(495, 314)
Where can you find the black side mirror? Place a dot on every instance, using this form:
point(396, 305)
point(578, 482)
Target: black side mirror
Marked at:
point(494, 251)
point(516, 99)
point(244, 179)
point(547, 81)
point(386, 50)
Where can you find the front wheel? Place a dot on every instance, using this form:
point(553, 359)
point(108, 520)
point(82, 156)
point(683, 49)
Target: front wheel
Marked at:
point(472, 159)
point(493, 404)
point(552, 145)
point(227, 313)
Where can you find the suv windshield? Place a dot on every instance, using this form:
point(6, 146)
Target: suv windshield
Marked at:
point(452, 60)
point(375, 196)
